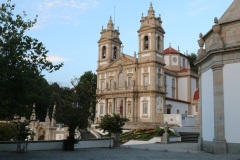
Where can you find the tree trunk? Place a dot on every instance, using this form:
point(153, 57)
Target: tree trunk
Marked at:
point(68, 144)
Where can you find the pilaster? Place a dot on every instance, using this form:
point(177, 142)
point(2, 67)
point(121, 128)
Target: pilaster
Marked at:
point(219, 142)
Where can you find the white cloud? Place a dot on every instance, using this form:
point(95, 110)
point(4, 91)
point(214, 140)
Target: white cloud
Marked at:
point(54, 58)
point(60, 12)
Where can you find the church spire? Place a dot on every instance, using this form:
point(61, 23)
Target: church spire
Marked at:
point(151, 12)
point(110, 23)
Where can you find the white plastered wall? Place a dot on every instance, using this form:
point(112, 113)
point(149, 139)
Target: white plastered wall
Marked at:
point(231, 74)
point(182, 107)
point(166, 60)
point(207, 106)
point(193, 87)
point(169, 86)
point(182, 89)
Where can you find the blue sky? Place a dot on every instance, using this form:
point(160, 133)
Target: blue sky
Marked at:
point(70, 29)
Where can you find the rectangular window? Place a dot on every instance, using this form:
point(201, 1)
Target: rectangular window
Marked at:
point(145, 108)
point(129, 81)
point(168, 111)
point(145, 80)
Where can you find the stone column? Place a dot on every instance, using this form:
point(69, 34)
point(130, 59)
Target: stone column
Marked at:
point(113, 106)
point(106, 107)
point(124, 107)
point(132, 110)
point(200, 139)
point(219, 141)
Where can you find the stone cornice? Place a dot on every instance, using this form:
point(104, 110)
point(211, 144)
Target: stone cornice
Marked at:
point(212, 52)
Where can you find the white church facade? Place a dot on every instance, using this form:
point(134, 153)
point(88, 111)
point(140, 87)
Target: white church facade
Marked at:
point(147, 85)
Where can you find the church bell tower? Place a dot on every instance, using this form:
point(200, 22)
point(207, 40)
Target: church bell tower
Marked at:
point(109, 45)
point(151, 38)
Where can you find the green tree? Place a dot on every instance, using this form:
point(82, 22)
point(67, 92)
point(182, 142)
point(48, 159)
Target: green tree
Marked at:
point(22, 135)
point(7, 131)
point(71, 114)
point(112, 124)
point(22, 60)
point(85, 88)
point(192, 58)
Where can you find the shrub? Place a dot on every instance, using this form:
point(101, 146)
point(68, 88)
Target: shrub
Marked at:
point(7, 131)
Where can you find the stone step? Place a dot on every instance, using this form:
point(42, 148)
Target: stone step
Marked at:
point(191, 137)
point(86, 135)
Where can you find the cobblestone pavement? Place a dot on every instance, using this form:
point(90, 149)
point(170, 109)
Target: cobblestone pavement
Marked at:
point(115, 154)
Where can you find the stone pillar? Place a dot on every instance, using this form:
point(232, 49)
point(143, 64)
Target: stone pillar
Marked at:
point(124, 107)
point(132, 110)
point(113, 106)
point(200, 139)
point(165, 137)
point(106, 107)
point(219, 141)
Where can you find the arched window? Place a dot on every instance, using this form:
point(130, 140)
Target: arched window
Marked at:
point(146, 42)
point(158, 43)
point(120, 80)
point(114, 52)
point(103, 52)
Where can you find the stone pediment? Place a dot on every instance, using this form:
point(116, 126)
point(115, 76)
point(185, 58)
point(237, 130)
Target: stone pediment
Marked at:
point(122, 61)
point(232, 13)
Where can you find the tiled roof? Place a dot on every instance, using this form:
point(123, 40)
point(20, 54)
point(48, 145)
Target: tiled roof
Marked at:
point(170, 50)
point(179, 71)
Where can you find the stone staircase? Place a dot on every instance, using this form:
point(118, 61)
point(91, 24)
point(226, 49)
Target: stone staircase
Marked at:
point(86, 135)
point(189, 137)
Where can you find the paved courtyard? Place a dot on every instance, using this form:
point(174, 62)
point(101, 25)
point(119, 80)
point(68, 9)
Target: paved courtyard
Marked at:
point(120, 153)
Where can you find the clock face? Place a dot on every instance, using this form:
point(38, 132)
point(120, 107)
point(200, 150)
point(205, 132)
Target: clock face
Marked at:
point(174, 59)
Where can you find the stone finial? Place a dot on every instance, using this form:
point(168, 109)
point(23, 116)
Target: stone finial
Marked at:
point(166, 127)
point(201, 41)
point(47, 119)
point(216, 28)
point(201, 52)
point(110, 23)
point(102, 28)
point(170, 45)
point(178, 49)
point(216, 20)
point(53, 122)
point(135, 55)
point(151, 12)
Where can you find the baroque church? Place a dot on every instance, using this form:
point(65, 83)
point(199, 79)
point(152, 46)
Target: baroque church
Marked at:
point(147, 85)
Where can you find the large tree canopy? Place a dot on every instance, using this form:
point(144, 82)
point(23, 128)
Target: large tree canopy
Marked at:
point(86, 92)
point(22, 60)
